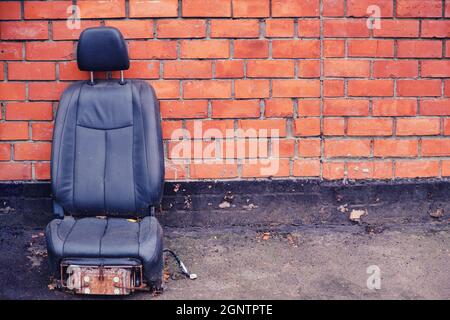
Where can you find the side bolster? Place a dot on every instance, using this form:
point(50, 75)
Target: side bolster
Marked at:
point(55, 234)
point(153, 140)
point(68, 100)
point(151, 248)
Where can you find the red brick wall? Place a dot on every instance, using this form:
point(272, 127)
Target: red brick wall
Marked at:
point(349, 101)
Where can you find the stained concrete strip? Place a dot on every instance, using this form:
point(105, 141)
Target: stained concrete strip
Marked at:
point(289, 263)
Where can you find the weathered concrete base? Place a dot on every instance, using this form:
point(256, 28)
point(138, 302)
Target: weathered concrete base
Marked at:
point(252, 263)
point(268, 202)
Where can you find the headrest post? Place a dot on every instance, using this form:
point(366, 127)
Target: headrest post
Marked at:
point(91, 81)
point(122, 80)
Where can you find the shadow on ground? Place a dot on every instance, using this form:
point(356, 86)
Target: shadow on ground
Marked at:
point(289, 263)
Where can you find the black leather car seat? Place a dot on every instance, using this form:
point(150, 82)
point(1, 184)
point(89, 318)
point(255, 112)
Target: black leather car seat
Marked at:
point(107, 160)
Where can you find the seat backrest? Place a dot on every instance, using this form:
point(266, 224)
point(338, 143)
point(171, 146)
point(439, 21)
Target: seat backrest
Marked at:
point(107, 154)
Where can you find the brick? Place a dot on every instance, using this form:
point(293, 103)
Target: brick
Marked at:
point(346, 107)
point(307, 127)
point(187, 69)
point(279, 108)
point(295, 8)
point(175, 170)
point(153, 9)
point(141, 70)
point(251, 89)
point(369, 127)
point(309, 28)
point(15, 171)
point(333, 170)
point(306, 168)
point(133, 29)
point(279, 28)
point(418, 127)
point(45, 90)
point(266, 168)
point(343, 28)
point(346, 68)
point(29, 111)
point(435, 148)
point(13, 131)
point(211, 170)
point(24, 30)
point(395, 69)
point(333, 126)
point(296, 49)
point(333, 8)
point(279, 125)
point(47, 10)
point(234, 28)
point(435, 68)
point(333, 88)
point(60, 31)
point(69, 71)
point(176, 109)
point(42, 170)
point(371, 48)
point(367, 88)
point(31, 71)
point(10, 10)
point(295, 88)
point(235, 109)
point(61, 50)
point(152, 49)
point(204, 89)
point(32, 151)
point(435, 29)
point(397, 29)
point(167, 89)
point(309, 69)
point(171, 128)
point(416, 169)
point(210, 128)
point(5, 151)
point(447, 88)
point(102, 9)
point(395, 148)
point(251, 49)
point(447, 127)
point(370, 170)
point(347, 148)
point(176, 28)
point(394, 107)
point(359, 8)
point(206, 8)
point(435, 107)
point(12, 91)
point(42, 131)
point(333, 48)
point(251, 8)
point(416, 88)
point(205, 49)
point(308, 107)
point(229, 69)
point(419, 8)
point(270, 69)
point(283, 148)
point(419, 49)
point(10, 51)
point(309, 148)
point(446, 165)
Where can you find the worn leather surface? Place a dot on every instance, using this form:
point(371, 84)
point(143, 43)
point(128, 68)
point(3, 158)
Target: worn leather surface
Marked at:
point(107, 154)
point(102, 49)
point(98, 241)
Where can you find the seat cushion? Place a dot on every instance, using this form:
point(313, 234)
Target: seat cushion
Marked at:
point(105, 238)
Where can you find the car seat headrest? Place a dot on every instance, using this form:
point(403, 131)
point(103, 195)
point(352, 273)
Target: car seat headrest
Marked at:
point(102, 49)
